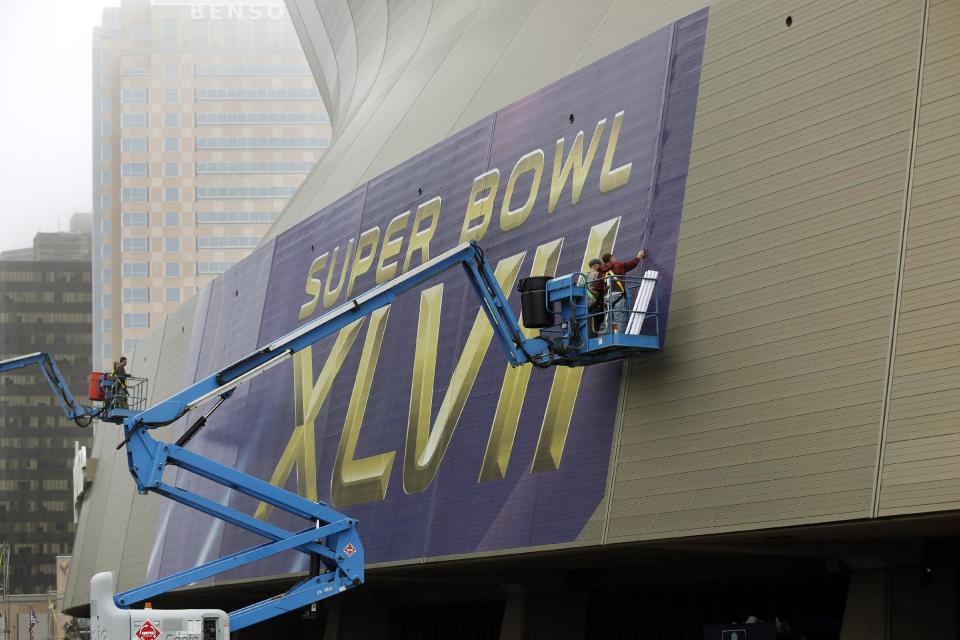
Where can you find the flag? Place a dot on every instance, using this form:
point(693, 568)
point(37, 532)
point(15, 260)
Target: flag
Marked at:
point(33, 623)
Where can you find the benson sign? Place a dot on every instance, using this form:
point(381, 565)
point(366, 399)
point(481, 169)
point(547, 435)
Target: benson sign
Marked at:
point(408, 420)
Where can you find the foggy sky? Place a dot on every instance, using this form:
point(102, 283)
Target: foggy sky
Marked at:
point(45, 85)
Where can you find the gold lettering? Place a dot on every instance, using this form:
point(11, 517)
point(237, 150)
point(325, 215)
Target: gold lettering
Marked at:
point(314, 286)
point(365, 479)
point(566, 381)
point(425, 446)
point(391, 247)
point(613, 179)
point(330, 296)
point(300, 452)
point(575, 163)
point(420, 239)
point(362, 263)
point(515, 381)
point(480, 210)
point(513, 218)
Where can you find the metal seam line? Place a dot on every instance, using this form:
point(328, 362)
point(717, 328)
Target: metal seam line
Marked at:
point(901, 258)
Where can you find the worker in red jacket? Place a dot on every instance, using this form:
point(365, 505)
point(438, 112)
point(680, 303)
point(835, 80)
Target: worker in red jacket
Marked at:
point(616, 301)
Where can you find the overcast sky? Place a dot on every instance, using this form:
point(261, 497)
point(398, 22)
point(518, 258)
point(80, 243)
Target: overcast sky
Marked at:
point(45, 89)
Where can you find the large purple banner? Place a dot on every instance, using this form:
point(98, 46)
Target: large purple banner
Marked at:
point(411, 420)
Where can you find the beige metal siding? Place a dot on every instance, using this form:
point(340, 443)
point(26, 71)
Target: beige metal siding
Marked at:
point(168, 377)
point(921, 470)
point(89, 528)
point(765, 407)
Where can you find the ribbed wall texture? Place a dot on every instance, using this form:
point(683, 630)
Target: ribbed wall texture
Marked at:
point(812, 332)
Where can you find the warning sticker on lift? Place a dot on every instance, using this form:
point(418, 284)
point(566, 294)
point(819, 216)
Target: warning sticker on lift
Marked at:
point(349, 549)
point(147, 631)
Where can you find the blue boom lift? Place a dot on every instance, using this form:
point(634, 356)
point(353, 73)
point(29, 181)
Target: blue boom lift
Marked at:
point(329, 538)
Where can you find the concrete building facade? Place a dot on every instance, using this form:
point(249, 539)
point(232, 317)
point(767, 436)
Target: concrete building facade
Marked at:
point(790, 453)
point(206, 119)
point(44, 306)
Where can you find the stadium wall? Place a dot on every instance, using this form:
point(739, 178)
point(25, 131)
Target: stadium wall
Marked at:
point(809, 374)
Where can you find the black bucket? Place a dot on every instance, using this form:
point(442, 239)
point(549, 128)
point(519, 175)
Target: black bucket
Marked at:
point(533, 302)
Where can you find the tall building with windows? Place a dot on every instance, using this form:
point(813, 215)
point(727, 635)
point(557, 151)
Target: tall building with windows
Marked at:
point(206, 119)
point(44, 306)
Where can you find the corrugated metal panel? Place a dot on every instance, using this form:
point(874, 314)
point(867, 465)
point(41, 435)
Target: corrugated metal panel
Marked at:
point(765, 407)
point(116, 514)
point(89, 529)
point(167, 378)
point(921, 466)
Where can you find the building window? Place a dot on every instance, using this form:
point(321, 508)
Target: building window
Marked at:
point(106, 250)
point(254, 167)
point(106, 351)
point(133, 120)
point(133, 145)
point(171, 194)
point(171, 145)
point(105, 226)
point(105, 80)
point(136, 269)
point(136, 244)
point(134, 96)
point(208, 268)
point(172, 120)
point(105, 104)
point(171, 219)
point(106, 152)
point(262, 143)
point(201, 34)
point(133, 219)
point(171, 71)
point(105, 177)
point(266, 70)
point(136, 294)
point(133, 194)
point(130, 345)
point(133, 169)
point(272, 117)
point(106, 325)
point(106, 300)
point(105, 128)
point(258, 93)
point(136, 320)
point(231, 34)
point(227, 242)
point(171, 244)
point(217, 193)
point(106, 275)
point(171, 96)
point(172, 294)
point(235, 217)
point(106, 200)
point(171, 269)
point(170, 29)
point(171, 169)
point(261, 34)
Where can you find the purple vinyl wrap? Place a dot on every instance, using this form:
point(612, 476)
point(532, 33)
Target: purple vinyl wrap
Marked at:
point(654, 82)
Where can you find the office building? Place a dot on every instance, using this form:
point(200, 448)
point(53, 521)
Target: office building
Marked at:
point(206, 119)
point(45, 305)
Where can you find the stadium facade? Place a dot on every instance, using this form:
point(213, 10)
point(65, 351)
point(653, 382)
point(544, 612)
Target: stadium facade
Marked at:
point(792, 453)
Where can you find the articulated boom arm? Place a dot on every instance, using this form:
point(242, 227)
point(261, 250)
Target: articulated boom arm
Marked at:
point(328, 538)
point(83, 416)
